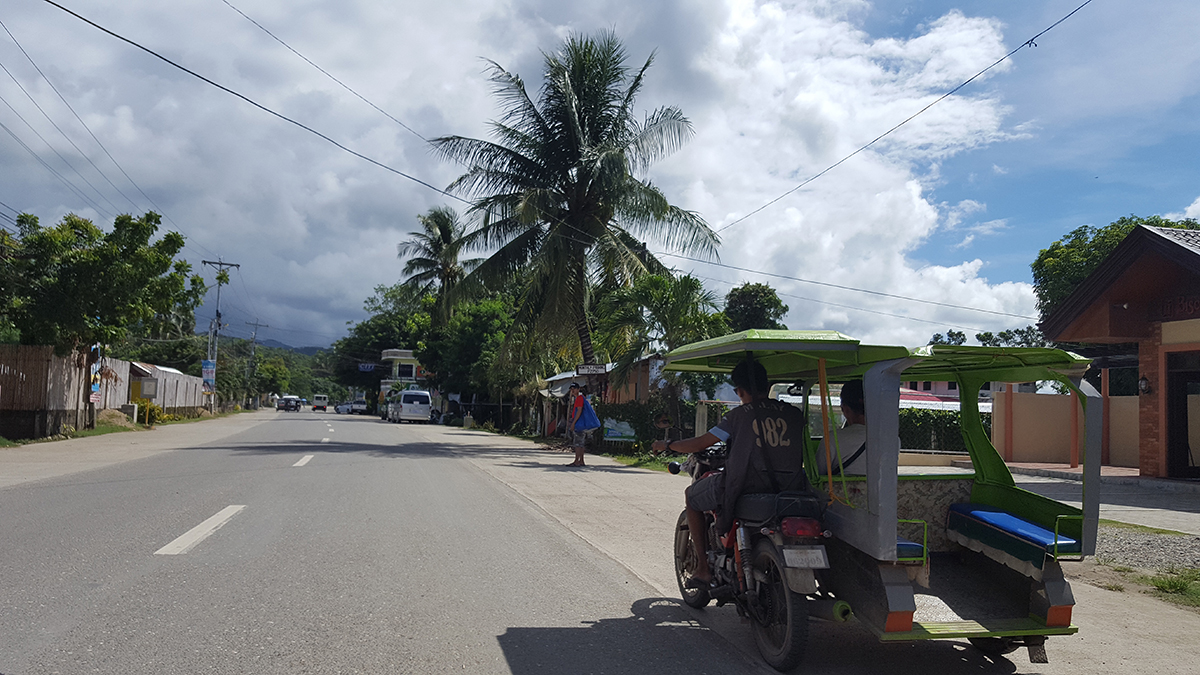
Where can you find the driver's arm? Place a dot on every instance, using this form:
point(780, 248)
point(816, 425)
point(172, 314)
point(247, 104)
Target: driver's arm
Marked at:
point(688, 446)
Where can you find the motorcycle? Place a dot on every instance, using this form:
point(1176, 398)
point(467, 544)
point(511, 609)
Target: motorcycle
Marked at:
point(764, 563)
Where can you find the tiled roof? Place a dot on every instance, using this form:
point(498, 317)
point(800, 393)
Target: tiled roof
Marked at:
point(1188, 238)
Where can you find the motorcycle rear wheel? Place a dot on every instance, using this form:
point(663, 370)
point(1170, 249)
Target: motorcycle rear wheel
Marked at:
point(685, 566)
point(781, 622)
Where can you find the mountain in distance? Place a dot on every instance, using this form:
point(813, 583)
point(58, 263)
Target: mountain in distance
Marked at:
point(276, 344)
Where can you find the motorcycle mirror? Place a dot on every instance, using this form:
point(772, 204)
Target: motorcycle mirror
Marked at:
point(674, 468)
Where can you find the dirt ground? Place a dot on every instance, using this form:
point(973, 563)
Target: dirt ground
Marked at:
point(114, 418)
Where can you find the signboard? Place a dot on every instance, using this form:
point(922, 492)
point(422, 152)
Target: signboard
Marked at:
point(590, 369)
point(208, 371)
point(95, 397)
point(1177, 308)
point(366, 367)
point(149, 387)
point(618, 431)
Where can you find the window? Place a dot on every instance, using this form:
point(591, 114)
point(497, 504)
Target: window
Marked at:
point(987, 386)
point(953, 386)
point(405, 371)
point(912, 385)
point(420, 399)
point(926, 386)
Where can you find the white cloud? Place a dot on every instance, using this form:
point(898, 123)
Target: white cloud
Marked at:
point(1192, 211)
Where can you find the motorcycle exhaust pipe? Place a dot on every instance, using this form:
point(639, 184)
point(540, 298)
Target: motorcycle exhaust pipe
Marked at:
point(829, 609)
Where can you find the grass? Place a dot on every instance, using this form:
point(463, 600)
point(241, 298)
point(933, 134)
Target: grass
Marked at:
point(1180, 586)
point(643, 461)
point(102, 429)
point(1118, 588)
point(5, 443)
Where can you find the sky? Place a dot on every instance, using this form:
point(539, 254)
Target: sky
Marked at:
point(935, 225)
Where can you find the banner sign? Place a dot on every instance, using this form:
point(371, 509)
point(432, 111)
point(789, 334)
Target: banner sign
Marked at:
point(590, 369)
point(208, 371)
point(366, 367)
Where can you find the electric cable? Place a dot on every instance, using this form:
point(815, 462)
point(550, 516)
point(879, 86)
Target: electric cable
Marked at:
point(10, 208)
point(49, 168)
point(325, 72)
point(256, 104)
point(68, 139)
point(1028, 43)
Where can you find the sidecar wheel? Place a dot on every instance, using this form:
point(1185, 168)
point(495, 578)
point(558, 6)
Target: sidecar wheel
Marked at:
point(781, 620)
point(685, 565)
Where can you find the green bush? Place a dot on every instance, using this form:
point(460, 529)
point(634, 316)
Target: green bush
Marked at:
point(922, 429)
point(641, 417)
point(155, 413)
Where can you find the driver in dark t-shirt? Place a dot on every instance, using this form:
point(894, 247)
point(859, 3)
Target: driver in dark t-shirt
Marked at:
point(765, 441)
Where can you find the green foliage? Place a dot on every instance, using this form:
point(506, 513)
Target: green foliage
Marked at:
point(73, 284)
point(1062, 266)
point(952, 337)
point(922, 429)
point(557, 192)
point(1029, 336)
point(461, 353)
point(396, 327)
point(754, 306)
point(433, 266)
point(148, 412)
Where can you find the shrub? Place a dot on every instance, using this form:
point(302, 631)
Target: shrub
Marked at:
point(922, 429)
point(149, 408)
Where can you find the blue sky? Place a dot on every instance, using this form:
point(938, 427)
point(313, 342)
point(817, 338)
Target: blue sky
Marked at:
point(1100, 120)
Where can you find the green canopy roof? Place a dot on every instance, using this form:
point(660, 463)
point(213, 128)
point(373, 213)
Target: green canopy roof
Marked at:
point(790, 355)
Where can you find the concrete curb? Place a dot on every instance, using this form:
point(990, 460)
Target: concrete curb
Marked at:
point(1137, 481)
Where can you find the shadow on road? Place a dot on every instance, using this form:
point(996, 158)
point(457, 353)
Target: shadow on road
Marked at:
point(663, 636)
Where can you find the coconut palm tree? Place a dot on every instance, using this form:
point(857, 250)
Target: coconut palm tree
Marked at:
point(658, 312)
point(434, 266)
point(556, 192)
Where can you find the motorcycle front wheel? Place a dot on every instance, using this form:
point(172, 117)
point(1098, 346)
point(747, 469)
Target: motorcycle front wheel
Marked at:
point(685, 565)
point(781, 620)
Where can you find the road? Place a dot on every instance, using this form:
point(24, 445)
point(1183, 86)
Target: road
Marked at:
point(350, 545)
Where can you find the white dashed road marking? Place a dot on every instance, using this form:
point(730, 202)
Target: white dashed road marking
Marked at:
point(200, 532)
point(307, 458)
point(324, 440)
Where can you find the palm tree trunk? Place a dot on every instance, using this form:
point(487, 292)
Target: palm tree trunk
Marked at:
point(585, 340)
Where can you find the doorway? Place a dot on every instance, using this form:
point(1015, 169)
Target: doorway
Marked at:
point(1183, 415)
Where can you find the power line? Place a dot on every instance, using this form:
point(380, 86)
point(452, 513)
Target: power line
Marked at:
point(59, 155)
point(68, 139)
point(1028, 43)
point(49, 168)
point(256, 104)
point(10, 208)
point(325, 72)
point(848, 288)
point(117, 164)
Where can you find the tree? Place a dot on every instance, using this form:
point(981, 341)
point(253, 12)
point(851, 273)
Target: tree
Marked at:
point(658, 313)
point(557, 192)
point(1062, 266)
point(1029, 336)
point(754, 306)
point(952, 337)
point(434, 267)
point(74, 285)
point(459, 355)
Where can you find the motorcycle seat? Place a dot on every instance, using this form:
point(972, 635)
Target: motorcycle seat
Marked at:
point(759, 508)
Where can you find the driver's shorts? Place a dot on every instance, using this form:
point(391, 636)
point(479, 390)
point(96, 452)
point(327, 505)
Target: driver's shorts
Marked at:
point(706, 494)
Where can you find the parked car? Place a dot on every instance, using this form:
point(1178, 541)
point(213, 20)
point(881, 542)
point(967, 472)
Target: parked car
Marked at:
point(413, 406)
point(342, 408)
point(359, 407)
point(320, 402)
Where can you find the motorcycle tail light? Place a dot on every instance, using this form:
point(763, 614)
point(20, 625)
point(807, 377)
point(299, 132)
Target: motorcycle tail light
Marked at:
point(801, 527)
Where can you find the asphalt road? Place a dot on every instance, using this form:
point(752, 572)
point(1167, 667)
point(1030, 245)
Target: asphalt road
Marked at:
point(382, 553)
point(350, 545)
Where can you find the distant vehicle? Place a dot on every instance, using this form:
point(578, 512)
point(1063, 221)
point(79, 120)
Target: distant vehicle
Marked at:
point(413, 406)
point(291, 403)
point(320, 402)
point(342, 408)
point(359, 407)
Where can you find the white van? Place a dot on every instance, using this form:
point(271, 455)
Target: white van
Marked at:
point(413, 406)
point(320, 401)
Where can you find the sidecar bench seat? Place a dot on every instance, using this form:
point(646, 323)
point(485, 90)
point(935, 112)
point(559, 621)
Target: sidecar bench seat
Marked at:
point(910, 550)
point(1005, 532)
point(757, 508)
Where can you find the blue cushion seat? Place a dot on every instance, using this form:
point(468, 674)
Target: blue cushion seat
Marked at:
point(998, 528)
point(909, 549)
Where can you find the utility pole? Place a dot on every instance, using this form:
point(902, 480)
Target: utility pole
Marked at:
point(252, 365)
point(214, 328)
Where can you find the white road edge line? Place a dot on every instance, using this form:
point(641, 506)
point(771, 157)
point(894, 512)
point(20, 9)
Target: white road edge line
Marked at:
point(305, 459)
point(200, 532)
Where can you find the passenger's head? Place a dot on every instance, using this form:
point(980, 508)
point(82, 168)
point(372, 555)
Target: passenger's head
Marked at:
point(750, 378)
point(852, 398)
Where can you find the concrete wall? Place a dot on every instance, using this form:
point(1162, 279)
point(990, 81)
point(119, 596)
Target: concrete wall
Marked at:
point(1123, 431)
point(1041, 427)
